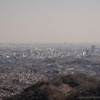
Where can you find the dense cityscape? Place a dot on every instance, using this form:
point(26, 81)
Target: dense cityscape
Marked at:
point(24, 64)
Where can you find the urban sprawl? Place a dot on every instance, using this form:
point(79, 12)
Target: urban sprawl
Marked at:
point(24, 64)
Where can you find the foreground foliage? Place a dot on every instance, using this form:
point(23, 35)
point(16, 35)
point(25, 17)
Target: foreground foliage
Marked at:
point(63, 87)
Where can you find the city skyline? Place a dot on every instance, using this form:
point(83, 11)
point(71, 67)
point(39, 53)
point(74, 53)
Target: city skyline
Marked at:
point(50, 21)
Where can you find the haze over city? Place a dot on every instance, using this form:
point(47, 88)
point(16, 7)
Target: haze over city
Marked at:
point(71, 21)
point(49, 49)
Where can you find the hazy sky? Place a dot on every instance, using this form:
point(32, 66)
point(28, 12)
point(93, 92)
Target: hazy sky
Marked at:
point(50, 21)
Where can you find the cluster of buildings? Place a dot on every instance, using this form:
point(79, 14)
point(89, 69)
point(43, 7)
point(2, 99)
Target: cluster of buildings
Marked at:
point(21, 65)
point(93, 51)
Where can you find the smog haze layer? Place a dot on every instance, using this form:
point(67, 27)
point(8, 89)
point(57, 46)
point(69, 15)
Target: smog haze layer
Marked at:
point(71, 21)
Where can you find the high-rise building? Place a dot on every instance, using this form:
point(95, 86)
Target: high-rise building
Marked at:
point(93, 49)
point(30, 51)
point(87, 52)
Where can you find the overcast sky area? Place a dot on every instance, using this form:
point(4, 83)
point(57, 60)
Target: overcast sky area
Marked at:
point(71, 21)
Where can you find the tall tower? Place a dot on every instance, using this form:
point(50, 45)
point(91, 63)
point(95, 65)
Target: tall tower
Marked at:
point(93, 49)
point(30, 51)
point(87, 52)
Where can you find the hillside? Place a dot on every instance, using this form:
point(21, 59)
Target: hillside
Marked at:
point(63, 87)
